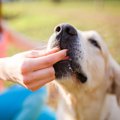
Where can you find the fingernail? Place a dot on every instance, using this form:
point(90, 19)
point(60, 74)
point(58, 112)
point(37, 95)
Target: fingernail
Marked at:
point(66, 50)
point(63, 52)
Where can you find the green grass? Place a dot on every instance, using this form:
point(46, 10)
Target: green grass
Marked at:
point(37, 19)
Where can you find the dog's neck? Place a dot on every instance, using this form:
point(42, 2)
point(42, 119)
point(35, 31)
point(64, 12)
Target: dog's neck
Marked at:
point(78, 103)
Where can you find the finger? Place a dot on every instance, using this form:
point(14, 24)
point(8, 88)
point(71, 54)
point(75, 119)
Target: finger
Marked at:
point(40, 53)
point(44, 62)
point(39, 75)
point(49, 60)
point(54, 50)
point(39, 84)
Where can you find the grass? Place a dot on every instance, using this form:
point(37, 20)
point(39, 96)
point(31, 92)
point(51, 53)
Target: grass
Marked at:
point(37, 19)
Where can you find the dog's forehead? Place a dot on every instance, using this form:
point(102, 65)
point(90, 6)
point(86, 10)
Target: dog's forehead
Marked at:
point(90, 35)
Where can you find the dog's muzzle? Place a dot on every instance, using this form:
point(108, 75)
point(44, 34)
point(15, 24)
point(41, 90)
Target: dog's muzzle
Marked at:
point(66, 37)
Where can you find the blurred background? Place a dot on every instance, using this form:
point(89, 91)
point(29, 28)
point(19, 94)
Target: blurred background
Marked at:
point(37, 18)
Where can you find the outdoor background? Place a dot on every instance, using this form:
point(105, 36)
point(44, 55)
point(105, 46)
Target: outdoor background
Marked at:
point(37, 18)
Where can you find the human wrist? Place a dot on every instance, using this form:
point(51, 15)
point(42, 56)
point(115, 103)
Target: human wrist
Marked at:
point(3, 69)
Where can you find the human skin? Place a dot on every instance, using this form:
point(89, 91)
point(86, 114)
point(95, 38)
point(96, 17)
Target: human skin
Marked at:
point(31, 69)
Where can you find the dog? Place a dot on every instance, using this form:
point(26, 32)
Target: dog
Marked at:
point(89, 81)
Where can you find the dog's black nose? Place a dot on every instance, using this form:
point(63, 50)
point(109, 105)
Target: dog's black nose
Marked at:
point(66, 29)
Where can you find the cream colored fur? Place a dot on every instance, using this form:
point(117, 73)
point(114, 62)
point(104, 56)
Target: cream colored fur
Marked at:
point(92, 100)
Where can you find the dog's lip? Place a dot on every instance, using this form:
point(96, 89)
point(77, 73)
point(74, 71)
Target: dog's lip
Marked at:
point(79, 75)
point(68, 59)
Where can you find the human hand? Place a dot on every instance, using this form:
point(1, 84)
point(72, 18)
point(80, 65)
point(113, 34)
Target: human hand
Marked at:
point(31, 69)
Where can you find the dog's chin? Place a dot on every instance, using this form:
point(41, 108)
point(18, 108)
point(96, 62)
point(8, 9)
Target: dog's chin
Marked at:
point(65, 69)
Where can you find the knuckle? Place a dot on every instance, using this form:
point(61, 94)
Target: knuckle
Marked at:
point(26, 66)
point(50, 70)
point(34, 53)
point(26, 79)
point(48, 62)
point(23, 69)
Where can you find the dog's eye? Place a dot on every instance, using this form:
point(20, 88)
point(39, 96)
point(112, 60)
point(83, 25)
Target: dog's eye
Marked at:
point(95, 43)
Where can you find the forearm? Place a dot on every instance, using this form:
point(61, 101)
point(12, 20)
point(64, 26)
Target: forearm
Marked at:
point(3, 75)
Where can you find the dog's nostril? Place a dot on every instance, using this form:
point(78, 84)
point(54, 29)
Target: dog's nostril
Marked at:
point(70, 30)
point(58, 29)
point(65, 29)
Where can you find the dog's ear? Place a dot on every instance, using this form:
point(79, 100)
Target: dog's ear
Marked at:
point(115, 78)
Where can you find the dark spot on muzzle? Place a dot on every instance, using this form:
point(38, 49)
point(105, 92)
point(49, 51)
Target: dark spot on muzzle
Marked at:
point(81, 77)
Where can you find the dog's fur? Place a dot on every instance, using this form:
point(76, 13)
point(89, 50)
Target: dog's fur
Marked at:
point(98, 97)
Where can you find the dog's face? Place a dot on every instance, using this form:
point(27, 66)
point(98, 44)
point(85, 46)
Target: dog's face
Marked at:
point(86, 54)
point(89, 62)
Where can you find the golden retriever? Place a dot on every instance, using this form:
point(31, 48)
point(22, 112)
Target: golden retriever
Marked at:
point(89, 81)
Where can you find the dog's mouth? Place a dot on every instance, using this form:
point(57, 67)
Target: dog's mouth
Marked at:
point(66, 37)
point(65, 68)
